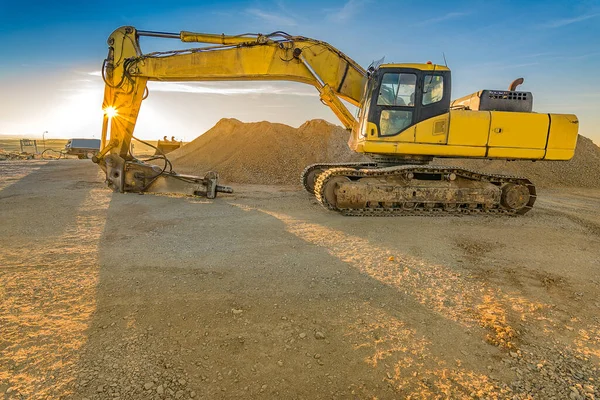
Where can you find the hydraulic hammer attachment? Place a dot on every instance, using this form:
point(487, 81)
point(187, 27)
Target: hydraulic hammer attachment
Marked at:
point(138, 177)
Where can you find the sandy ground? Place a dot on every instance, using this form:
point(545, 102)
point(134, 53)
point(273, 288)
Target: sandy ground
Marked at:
point(264, 294)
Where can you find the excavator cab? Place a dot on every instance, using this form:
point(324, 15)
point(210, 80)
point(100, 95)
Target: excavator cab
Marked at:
point(398, 96)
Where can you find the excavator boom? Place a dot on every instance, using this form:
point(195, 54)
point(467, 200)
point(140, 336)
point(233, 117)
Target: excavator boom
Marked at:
point(276, 56)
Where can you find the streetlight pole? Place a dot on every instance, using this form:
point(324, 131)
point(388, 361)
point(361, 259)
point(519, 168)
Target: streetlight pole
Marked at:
point(44, 139)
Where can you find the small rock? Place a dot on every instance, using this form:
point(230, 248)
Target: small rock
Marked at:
point(10, 390)
point(179, 394)
point(574, 390)
point(182, 382)
point(317, 356)
point(263, 388)
point(100, 389)
point(193, 394)
point(148, 385)
point(302, 335)
point(280, 363)
point(236, 312)
point(513, 354)
point(160, 389)
point(319, 335)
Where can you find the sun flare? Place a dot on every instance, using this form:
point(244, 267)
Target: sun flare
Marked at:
point(110, 112)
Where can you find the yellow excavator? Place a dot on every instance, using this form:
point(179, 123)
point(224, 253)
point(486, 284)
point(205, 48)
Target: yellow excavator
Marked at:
point(405, 119)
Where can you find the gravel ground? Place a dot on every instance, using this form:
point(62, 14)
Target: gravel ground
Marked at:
point(264, 294)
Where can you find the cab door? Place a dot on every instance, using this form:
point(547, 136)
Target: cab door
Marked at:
point(395, 102)
point(433, 119)
point(406, 96)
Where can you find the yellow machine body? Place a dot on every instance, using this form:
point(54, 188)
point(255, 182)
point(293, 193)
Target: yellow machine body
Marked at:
point(480, 134)
point(462, 132)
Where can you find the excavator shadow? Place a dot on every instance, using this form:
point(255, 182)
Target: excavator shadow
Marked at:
point(213, 292)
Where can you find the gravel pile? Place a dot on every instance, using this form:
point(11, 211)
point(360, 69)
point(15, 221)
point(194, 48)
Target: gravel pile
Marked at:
point(270, 153)
point(263, 152)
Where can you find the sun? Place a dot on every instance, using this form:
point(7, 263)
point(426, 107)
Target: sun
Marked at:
point(110, 111)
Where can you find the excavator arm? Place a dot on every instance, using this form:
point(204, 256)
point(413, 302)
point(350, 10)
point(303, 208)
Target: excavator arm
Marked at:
point(274, 57)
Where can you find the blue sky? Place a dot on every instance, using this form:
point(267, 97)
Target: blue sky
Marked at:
point(52, 52)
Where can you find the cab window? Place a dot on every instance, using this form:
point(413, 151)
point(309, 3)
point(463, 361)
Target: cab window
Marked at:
point(433, 89)
point(397, 90)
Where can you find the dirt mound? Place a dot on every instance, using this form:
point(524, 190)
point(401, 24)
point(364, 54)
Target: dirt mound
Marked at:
point(583, 170)
point(263, 152)
point(271, 153)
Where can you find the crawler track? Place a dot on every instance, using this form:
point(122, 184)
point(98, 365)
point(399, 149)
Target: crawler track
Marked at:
point(306, 174)
point(376, 208)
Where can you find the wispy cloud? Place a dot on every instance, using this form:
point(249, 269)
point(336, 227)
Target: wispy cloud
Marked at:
point(445, 17)
point(494, 65)
point(555, 56)
point(272, 18)
point(576, 57)
point(347, 11)
point(224, 88)
point(568, 21)
point(509, 66)
point(536, 55)
point(227, 90)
